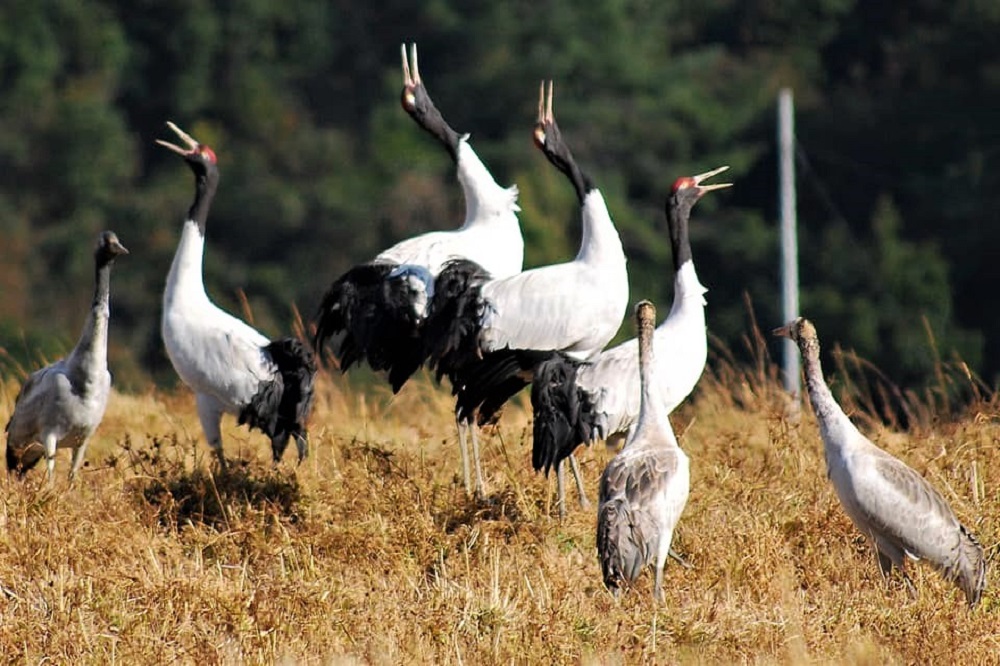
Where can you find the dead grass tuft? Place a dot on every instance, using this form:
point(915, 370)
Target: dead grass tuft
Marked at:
point(370, 552)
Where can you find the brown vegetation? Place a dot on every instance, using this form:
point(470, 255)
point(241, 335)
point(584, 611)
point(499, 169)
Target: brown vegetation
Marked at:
point(370, 553)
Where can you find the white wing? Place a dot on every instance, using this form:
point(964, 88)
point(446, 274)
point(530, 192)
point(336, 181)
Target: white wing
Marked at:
point(216, 353)
point(568, 307)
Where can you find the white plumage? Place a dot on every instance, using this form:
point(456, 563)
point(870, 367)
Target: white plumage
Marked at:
point(681, 337)
point(374, 311)
point(231, 367)
point(60, 405)
point(575, 307)
point(487, 334)
point(577, 403)
point(896, 509)
point(644, 488)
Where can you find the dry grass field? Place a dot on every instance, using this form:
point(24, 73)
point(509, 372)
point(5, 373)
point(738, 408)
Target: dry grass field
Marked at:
point(369, 552)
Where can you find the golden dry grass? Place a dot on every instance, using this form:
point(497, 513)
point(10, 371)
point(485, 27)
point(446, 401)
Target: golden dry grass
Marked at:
point(370, 553)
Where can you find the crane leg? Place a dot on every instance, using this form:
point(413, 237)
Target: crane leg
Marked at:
point(561, 489)
point(662, 552)
point(463, 446)
point(658, 584)
point(210, 415)
point(480, 486)
point(79, 453)
point(50, 456)
point(578, 477)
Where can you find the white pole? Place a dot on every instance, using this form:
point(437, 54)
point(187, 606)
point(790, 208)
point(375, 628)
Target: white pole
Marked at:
point(789, 241)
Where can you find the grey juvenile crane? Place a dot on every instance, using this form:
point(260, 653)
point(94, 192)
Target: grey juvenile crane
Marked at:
point(62, 404)
point(893, 506)
point(645, 487)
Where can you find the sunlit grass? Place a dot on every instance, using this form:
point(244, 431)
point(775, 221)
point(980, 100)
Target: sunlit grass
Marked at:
point(369, 552)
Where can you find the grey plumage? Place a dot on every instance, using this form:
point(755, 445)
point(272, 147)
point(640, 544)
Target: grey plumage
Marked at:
point(62, 404)
point(892, 505)
point(645, 487)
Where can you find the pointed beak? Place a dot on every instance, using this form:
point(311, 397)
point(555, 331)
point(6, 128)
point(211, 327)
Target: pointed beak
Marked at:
point(184, 136)
point(708, 174)
point(545, 115)
point(302, 444)
point(119, 248)
point(784, 331)
point(411, 77)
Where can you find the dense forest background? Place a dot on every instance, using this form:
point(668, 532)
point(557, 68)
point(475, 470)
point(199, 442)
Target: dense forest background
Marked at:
point(897, 120)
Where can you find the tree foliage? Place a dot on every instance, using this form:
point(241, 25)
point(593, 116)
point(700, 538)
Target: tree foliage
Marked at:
point(321, 169)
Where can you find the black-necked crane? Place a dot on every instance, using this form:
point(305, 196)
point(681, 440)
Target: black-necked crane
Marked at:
point(645, 487)
point(61, 405)
point(231, 367)
point(373, 312)
point(576, 402)
point(895, 508)
point(487, 335)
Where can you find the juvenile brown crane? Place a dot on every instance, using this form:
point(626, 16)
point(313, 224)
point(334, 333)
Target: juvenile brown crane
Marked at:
point(645, 487)
point(896, 509)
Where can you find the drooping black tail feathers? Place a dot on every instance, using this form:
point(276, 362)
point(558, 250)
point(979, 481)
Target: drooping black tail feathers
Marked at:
point(373, 309)
point(450, 332)
point(282, 405)
point(485, 385)
point(481, 383)
point(564, 413)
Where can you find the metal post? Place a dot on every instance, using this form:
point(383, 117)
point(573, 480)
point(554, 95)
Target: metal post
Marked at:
point(789, 241)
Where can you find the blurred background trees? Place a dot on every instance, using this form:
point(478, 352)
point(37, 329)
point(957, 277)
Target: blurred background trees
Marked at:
point(896, 119)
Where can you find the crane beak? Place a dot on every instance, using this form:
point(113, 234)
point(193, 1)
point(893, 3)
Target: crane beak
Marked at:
point(184, 136)
point(302, 444)
point(784, 331)
point(708, 174)
point(411, 76)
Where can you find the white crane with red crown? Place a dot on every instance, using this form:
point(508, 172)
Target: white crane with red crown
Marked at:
point(578, 402)
point(231, 367)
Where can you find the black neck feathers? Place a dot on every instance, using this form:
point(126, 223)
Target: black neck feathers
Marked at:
point(428, 117)
point(678, 213)
point(558, 153)
point(206, 182)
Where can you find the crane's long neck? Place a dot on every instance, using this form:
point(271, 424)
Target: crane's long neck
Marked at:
point(600, 241)
point(652, 414)
point(678, 214)
point(185, 277)
point(434, 124)
point(486, 202)
point(205, 185)
point(689, 293)
point(91, 352)
point(829, 414)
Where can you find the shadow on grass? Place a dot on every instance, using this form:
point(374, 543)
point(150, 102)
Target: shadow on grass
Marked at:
point(210, 496)
point(501, 506)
